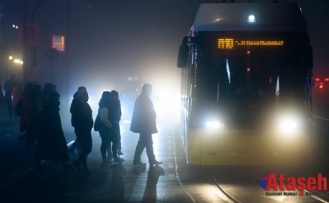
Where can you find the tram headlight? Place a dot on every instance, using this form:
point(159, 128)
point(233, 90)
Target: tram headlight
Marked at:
point(289, 124)
point(214, 124)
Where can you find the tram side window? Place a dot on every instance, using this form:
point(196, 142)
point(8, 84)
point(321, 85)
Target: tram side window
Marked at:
point(213, 82)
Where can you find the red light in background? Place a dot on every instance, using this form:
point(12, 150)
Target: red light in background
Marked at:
point(326, 79)
point(317, 79)
point(321, 86)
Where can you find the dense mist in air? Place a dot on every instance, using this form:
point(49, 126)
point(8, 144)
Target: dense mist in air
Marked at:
point(110, 41)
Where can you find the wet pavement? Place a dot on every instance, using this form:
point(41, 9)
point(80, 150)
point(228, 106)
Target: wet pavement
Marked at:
point(111, 183)
point(172, 181)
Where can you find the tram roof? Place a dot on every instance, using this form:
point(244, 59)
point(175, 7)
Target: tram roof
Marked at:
point(234, 17)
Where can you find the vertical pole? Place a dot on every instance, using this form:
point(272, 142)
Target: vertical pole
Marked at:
point(51, 70)
point(1, 51)
point(25, 65)
point(67, 45)
point(1, 68)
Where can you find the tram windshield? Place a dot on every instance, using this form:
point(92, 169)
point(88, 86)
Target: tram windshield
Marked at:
point(244, 91)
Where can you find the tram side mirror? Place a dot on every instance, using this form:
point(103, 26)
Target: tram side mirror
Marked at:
point(183, 54)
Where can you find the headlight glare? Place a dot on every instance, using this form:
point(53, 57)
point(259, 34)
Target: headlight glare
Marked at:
point(289, 124)
point(214, 124)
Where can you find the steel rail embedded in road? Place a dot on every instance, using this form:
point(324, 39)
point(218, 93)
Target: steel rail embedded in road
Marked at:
point(177, 175)
point(321, 118)
point(223, 193)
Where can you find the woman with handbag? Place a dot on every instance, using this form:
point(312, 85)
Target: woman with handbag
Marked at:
point(107, 127)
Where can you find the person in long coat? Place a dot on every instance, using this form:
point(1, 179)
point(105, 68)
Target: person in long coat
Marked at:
point(51, 143)
point(144, 122)
point(82, 121)
point(30, 111)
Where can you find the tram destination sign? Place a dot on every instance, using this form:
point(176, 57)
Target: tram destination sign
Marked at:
point(230, 43)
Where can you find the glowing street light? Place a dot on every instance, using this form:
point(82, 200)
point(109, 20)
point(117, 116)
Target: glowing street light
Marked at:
point(15, 60)
point(18, 61)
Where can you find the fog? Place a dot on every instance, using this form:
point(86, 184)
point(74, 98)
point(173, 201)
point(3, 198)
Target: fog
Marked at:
point(110, 41)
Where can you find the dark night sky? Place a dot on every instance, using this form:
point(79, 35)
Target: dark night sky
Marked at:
point(113, 39)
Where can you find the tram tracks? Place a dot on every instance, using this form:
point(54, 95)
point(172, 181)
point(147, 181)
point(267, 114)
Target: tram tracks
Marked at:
point(220, 191)
point(223, 193)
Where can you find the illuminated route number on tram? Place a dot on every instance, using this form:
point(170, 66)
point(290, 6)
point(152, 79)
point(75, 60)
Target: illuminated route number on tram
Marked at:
point(230, 43)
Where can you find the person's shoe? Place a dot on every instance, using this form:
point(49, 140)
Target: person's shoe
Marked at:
point(139, 164)
point(155, 162)
point(77, 166)
point(118, 159)
point(120, 153)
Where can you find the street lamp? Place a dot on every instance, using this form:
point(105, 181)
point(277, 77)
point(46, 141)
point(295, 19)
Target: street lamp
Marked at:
point(16, 60)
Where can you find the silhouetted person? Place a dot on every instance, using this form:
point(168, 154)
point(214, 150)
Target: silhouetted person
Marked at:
point(17, 95)
point(108, 127)
point(51, 143)
point(8, 88)
point(116, 105)
point(28, 115)
point(2, 97)
point(37, 107)
point(74, 120)
point(47, 89)
point(144, 122)
point(82, 121)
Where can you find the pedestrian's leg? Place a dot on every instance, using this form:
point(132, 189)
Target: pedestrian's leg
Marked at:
point(104, 145)
point(115, 149)
point(78, 162)
point(119, 142)
point(88, 148)
point(109, 151)
point(84, 141)
point(139, 150)
point(149, 148)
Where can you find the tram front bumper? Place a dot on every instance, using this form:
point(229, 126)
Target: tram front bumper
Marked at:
point(233, 147)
